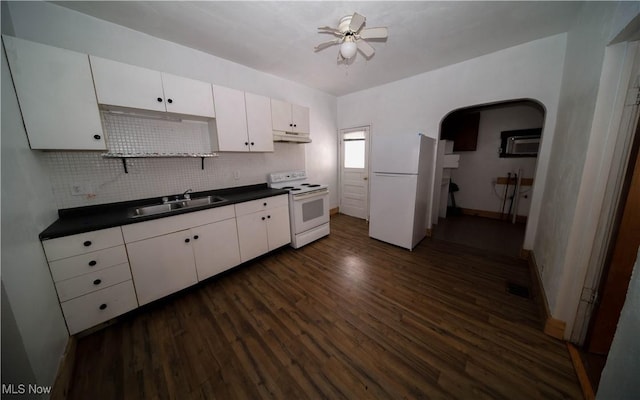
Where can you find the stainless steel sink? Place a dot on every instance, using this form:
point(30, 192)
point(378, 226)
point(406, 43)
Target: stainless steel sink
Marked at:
point(174, 205)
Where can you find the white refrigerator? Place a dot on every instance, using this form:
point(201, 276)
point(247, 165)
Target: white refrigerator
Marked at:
point(401, 185)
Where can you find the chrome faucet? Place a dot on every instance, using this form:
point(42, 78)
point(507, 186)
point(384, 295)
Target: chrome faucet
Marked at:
point(186, 194)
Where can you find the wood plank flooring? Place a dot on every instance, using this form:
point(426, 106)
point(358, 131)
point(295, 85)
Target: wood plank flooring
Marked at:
point(344, 317)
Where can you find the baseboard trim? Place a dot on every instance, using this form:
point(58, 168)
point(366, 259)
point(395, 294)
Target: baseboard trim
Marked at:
point(552, 326)
point(581, 372)
point(62, 383)
point(492, 215)
point(555, 328)
point(334, 211)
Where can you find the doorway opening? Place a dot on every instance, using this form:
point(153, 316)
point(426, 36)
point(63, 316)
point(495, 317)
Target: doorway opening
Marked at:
point(354, 172)
point(487, 158)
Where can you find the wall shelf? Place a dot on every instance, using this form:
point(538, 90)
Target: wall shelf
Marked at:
point(125, 156)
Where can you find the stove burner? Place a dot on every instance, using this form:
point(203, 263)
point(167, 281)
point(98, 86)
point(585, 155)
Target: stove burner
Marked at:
point(305, 184)
point(294, 189)
point(313, 185)
point(287, 187)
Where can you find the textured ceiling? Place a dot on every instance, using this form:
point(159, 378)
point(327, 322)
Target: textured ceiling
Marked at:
point(278, 37)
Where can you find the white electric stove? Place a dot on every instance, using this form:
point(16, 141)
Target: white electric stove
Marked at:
point(308, 206)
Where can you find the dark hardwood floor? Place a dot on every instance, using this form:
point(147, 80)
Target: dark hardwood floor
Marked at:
point(344, 317)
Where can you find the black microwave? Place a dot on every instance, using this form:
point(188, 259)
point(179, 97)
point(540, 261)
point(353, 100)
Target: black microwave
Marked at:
point(520, 143)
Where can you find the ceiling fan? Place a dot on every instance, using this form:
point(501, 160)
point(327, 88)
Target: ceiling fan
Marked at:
point(352, 37)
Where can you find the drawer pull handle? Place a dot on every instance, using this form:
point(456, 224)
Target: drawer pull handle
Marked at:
point(102, 306)
point(159, 99)
point(196, 237)
point(169, 101)
point(97, 137)
point(92, 263)
point(264, 204)
point(269, 216)
point(97, 282)
point(87, 243)
point(263, 218)
point(187, 240)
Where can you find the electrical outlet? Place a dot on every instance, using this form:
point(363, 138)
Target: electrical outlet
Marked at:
point(80, 189)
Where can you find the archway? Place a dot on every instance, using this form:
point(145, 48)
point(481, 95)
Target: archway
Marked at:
point(487, 162)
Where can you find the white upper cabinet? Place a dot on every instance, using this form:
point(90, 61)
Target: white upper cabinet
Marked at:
point(259, 122)
point(300, 118)
point(187, 96)
point(243, 121)
point(231, 119)
point(289, 117)
point(56, 96)
point(124, 85)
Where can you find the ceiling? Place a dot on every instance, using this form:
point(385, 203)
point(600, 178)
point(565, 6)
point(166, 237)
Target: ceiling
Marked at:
point(278, 37)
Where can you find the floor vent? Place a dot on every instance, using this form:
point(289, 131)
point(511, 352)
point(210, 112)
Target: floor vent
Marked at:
point(518, 290)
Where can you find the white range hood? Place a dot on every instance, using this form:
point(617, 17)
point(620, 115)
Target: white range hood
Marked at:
point(280, 136)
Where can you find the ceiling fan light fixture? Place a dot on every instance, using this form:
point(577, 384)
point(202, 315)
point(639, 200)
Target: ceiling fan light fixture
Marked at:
point(348, 48)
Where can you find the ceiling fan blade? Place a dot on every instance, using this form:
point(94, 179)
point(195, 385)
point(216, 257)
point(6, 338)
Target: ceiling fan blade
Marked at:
point(357, 21)
point(324, 45)
point(374, 33)
point(365, 48)
point(328, 29)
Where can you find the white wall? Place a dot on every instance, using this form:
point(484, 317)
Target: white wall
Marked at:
point(418, 104)
point(585, 53)
point(57, 26)
point(27, 208)
point(479, 169)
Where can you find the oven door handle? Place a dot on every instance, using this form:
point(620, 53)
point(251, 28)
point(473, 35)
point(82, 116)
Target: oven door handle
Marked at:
point(310, 195)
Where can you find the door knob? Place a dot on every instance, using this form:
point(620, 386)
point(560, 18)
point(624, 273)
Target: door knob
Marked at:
point(365, 178)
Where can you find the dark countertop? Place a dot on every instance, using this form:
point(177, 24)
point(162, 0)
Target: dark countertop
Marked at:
point(84, 219)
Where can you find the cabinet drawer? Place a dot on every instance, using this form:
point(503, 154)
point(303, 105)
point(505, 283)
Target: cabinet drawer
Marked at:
point(82, 243)
point(78, 286)
point(86, 263)
point(91, 309)
point(252, 206)
point(163, 226)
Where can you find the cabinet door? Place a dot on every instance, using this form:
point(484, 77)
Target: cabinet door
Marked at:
point(215, 247)
point(162, 265)
point(300, 118)
point(278, 229)
point(252, 235)
point(231, 119)
point(56, 96)
point(259, 122)
point(281, 115)
point(187, 96)
point(125, 85)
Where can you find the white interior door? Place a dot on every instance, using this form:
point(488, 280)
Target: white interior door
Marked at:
point(354, 172)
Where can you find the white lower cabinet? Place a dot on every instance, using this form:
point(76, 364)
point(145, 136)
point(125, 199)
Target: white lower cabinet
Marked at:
point(263, 225)
point(252, 233)
point(216, 248)
point(92, 277)
point(102, 274)
point(162, 265)
point(170, 254)
point(278, 228)
point(99, 306)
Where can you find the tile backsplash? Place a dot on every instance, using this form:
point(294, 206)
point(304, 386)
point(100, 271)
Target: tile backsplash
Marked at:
point(103, 180)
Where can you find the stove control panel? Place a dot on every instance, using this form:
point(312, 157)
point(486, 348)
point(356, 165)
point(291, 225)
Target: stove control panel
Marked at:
point(278, 177)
